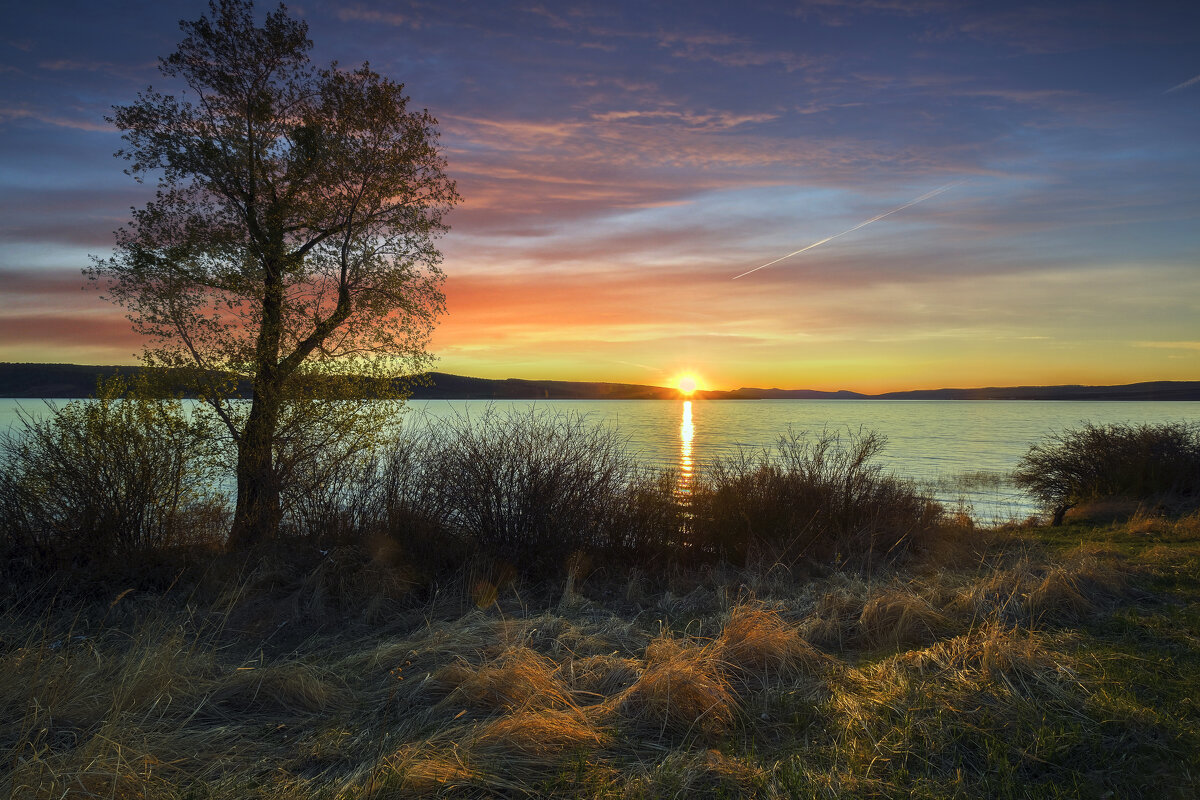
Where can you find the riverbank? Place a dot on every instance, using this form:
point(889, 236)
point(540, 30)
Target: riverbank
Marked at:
point(1019, 662)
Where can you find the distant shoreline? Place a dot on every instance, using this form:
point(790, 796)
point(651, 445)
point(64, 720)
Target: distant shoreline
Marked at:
point(68, 381)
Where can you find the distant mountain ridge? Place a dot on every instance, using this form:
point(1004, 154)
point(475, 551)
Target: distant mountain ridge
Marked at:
point(76, 380)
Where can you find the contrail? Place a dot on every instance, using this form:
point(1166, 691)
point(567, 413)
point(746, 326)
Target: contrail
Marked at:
point(925, 196)
point(1184, 85)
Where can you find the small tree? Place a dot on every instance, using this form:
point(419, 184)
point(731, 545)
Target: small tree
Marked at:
point(1139, 462)
point(290, 243)
point(107, 477)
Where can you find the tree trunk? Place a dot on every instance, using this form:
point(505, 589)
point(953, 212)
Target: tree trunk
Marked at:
point(257, 514)
point(256, 517)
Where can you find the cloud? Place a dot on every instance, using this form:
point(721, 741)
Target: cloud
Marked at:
point(731, 51)
point(372, 15)
point(1186, 84)
point(57, 120)
point(1169, 345)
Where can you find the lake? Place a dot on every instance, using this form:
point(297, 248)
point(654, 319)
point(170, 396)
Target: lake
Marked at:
point(960, 451)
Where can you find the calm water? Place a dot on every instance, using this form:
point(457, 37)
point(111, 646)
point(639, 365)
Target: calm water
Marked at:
point(961, 451)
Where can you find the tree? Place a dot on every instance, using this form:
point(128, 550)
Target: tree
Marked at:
point(291, 242)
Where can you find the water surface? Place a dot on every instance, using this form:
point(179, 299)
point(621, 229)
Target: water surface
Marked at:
point(962, 451)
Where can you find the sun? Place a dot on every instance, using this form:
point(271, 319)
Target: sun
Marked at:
point(687, 384)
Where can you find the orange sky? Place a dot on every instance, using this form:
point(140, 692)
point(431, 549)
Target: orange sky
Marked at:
point(621, 162)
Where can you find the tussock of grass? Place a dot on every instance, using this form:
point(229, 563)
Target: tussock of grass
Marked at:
point(518, 678)
point(601, 676)
point(538, 733)
point(759, 642)
point(1074, 589)
point(682, 691)
point(899, 616)
point(415, 771)
point(837, 612)
point(991, 651)
point(286, 689)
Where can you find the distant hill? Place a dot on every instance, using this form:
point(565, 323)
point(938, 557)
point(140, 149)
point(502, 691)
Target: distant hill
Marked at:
point(75, 380)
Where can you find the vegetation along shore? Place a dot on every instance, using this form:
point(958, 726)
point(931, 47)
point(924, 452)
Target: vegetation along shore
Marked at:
point(509, 606)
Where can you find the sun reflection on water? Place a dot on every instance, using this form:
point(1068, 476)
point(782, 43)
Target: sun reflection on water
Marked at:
point(686, 431)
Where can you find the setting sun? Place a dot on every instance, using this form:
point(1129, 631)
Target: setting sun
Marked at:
point(687, 384)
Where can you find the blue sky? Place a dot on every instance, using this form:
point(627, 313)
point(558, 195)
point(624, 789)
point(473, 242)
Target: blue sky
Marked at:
point(620, 162)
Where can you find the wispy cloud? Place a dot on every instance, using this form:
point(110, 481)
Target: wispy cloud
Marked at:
point(1169, 345)
point(57, 120)
point(1186, 84)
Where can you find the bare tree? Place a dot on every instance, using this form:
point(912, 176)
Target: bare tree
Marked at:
point(291, 241)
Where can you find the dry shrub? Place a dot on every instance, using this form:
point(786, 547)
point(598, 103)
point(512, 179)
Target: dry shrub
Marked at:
point(681, 690)
point(756, 641)
point(899, 616)
point(517, 678)
point(602, 675)
point(1147, 462)
point(539, 733)
point(289, 688)
point(820, 497)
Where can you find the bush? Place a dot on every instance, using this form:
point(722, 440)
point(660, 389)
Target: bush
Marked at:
point(812, 497)
point(530, 487)
point(97, 479)
point(1140, 462)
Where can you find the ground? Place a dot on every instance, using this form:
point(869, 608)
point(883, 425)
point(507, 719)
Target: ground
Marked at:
point(1021, 662)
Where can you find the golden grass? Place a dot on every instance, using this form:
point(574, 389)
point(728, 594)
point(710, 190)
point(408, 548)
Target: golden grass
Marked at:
point(293, 688)
point(417, 771)
point(682, 691)
point(756, 641)
point(519, 677)
point(947, 682)
point(600, 676)
point(837, 612)
point(898, 616)
point(1075, 588)
point(539, 733)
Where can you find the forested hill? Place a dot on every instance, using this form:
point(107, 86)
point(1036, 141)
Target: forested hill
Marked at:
point(74, 380)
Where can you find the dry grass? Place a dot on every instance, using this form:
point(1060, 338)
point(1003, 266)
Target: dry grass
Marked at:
point(967, 681)
point(539, 733)
point(1075, 588)
point(760, 643)
point(518, 678)
point(682, 691)
point(899, 616)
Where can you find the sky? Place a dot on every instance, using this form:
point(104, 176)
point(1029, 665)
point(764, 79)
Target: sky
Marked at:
point(621, 162)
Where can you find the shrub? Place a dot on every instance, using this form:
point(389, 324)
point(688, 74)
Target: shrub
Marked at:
point(816, 497)
point(96, 479)
point(533, 487)
point(1145, 462)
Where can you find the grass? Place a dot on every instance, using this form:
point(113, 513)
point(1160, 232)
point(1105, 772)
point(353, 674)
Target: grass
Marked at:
point(468, 625)
point(1037, 662)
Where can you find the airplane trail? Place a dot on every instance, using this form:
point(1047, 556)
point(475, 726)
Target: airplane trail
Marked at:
point(913, 202)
